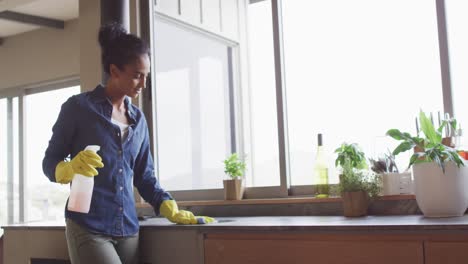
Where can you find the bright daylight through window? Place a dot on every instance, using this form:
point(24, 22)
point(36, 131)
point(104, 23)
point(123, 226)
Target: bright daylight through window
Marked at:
point(353, 71)
point(457, 21)
point(193, 114)
point(46, 200)
point(43, 199)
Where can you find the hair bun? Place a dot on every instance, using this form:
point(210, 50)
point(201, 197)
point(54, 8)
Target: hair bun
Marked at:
point(109, 33)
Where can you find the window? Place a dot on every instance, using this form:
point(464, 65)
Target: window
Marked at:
point(46, 200)
point(457, 22)
point(263, 97)
point(3, 163)
point(353, 71)
point(350, 70)
point(193, 110)
point(9, 158)
point(25, 129)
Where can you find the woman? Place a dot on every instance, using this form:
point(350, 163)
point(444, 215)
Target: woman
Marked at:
point(106, 117)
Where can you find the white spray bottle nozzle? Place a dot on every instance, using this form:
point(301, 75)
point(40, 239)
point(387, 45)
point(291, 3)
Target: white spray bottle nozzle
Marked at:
point(94, 148)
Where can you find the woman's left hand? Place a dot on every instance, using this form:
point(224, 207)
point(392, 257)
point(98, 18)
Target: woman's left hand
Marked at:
point(170, 210)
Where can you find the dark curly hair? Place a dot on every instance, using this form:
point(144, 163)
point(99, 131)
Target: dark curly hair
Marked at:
point(118, 47)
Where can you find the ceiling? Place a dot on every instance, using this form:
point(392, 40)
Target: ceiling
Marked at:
point(20, 16)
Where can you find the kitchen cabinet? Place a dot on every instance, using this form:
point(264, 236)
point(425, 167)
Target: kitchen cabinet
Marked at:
point(288, 248)
point(446, 252)
point(283, 239)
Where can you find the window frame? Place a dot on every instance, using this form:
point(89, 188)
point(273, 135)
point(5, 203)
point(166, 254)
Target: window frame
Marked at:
point(149, 15)
point(285, 189)
point(19, 92)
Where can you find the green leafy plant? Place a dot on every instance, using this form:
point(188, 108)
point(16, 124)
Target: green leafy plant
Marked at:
point(354, 176)
point(428, 148)
point(352, 154)
point(354, 180)
point(385, 164)
point(233, 166)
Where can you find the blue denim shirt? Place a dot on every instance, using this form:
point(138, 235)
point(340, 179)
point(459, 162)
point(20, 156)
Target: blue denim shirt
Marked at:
point(85, 119)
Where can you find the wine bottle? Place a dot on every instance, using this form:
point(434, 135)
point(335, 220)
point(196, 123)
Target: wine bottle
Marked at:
point(321, 170)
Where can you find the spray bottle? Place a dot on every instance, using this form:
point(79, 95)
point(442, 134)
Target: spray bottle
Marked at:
point(82, 189)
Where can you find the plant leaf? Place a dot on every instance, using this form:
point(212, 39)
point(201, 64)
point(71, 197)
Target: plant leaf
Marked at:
point(428, 129)
point(404, 146)
point(395, 133)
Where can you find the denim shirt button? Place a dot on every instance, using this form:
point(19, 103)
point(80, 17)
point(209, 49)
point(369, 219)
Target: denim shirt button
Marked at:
point(120, 170)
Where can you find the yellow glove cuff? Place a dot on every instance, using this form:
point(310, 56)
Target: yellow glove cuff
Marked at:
point(64, 172)
point(169, 209)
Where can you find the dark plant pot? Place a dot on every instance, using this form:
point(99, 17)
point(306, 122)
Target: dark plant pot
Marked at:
point(355, 203)
point(233, 189)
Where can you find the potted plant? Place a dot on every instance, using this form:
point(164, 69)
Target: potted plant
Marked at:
point(234, 168)
point(350, 153)
point(357, 184)
point(393, 182)
point(441, 179)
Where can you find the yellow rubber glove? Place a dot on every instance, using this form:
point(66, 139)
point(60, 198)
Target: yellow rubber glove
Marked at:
point(170, 210)
point(84, 163)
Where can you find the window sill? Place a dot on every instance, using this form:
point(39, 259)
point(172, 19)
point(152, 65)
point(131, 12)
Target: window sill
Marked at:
point(291, 200)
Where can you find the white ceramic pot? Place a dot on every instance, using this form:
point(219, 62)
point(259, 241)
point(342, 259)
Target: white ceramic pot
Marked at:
point(439, 194)
point(396, 183)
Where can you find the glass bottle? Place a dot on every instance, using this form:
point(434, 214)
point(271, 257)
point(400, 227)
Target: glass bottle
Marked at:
point(321, 170)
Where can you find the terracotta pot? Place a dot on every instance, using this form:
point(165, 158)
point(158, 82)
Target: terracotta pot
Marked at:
point(355, 203)
point(233, 189)
point(448, 141)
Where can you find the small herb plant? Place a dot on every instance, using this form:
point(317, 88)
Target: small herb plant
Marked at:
point(354, 176)
point(428, 148)
point(354, 180)
point(350, 153)
point(385, 164)
point(234, 167)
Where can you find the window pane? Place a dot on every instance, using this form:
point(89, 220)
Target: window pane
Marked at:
point(3, 164)
point(192, 106)
point(14, 198)
point(9, 179)
point(355, 69)
point(46, 200)
point(263, 96)
point(457, 25)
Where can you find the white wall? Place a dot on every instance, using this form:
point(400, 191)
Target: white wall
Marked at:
point(51, 54)
point(40, 55)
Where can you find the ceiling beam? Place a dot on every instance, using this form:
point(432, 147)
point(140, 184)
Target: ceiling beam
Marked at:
point(33, 20)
